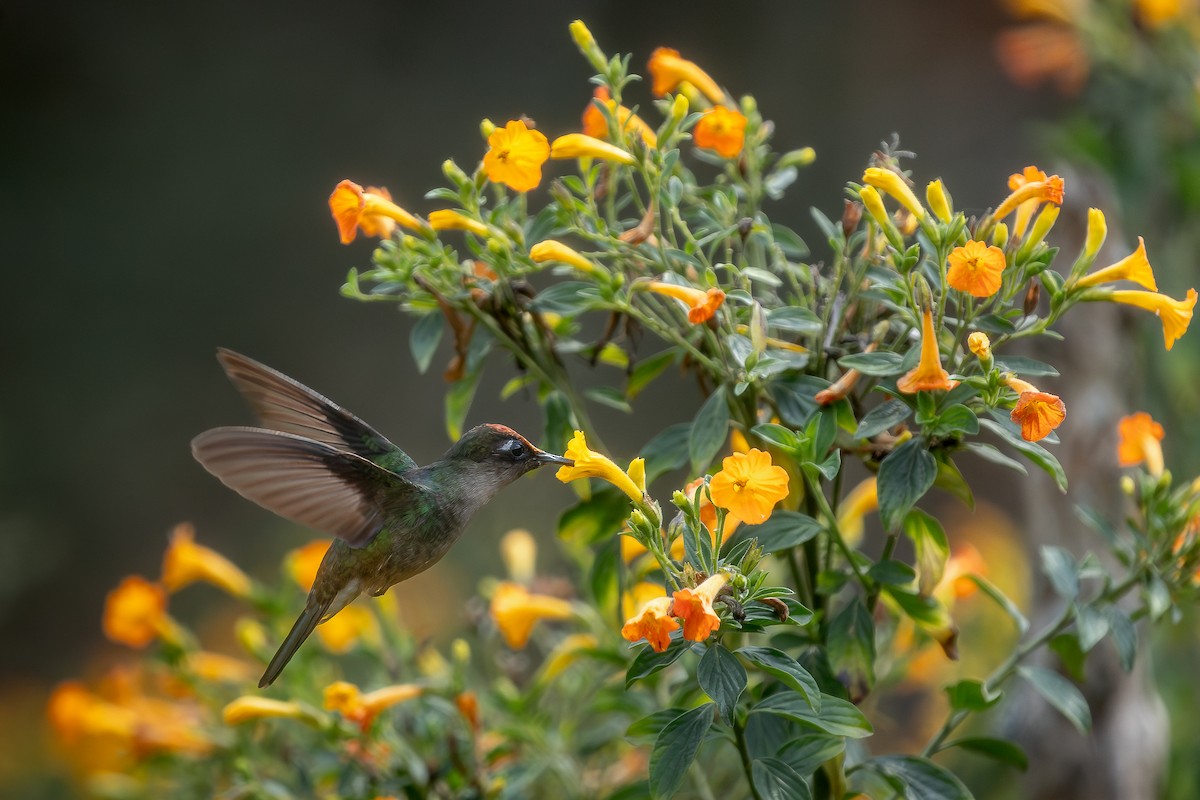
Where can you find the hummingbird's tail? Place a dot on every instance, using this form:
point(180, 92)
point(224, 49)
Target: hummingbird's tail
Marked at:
point(303, 627)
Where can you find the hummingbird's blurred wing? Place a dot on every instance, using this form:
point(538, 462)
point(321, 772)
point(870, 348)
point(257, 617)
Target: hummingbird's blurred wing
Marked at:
point(285, 404)
point(308, 482)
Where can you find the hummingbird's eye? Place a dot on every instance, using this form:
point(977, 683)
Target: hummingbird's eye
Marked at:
point(515, 449)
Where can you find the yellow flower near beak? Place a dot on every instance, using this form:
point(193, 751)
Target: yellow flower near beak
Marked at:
point(590, 464)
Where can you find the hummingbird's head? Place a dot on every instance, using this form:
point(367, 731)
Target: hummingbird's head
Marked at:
point(498, 455)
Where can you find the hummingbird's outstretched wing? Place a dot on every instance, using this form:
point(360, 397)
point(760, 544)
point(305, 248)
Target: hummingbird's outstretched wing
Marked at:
point(308, 482)
point(285, 404)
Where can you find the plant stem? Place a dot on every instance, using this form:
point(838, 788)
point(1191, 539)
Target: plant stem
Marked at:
point(739, 731)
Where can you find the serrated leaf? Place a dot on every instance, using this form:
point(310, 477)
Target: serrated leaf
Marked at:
point(783, 530)
point(923, 780)
point(786, 669)
point(649, 662)
point(837, 716)
point(675, 749)
point(881, 365)
point(723, 678)
point(425, 337)
point(997, 749)
point(777, 780)
point(904, 477)
point(709, 431)
point(882, 417)
point(1060, 693)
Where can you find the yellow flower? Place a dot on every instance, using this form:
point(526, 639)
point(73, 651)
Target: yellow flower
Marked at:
point(976, 268)
point(935, 195)
point(862, 500)
point(1175, 315)
point(251, 707)
point(1133, 267)
point(554, 250)
point(449, 220)
point(1025, 211)
point(885, 180)
point(1036, 412)
point(871, 201)
point(135, 613)
point(928, 375)
point(1035, 192)
point(371, 210)
point(721, 129)
point(702, 305)
point(1139, 438)
point(749, 485)
point(186, 562)
point(515, 156)
point(580, 145)
point(566, 653)
point(1155, 14)
point(694, 607)
point(595, 124)
point(590, 464)
point(74, 713)
point(979, 344)
point(303, 562)
point(653, 622)
point(219, 668)
point(346, 699)
point(515, 610)
point(639, 594)
point(518, 551)
point(668, 69)
point(1097, 232)
point(343, 630)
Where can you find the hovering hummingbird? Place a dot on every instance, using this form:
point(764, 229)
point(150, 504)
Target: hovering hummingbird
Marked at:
point(320, 466)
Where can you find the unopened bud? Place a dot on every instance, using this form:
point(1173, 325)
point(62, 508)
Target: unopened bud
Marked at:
point(851, 215)
point(679, 108)
point(939, 203)
point(1127, 485)
point(638, 519)
point(922, 291)
point(797, 158)
point(454, 173)
point(1000, 235)
point(1097, 232)
point(587, 45)
point(460, 651)
point(487, 128)
point(749, 106)
point(1033, 293)
point(251, 635)
point(980, 345)
point(874, 205)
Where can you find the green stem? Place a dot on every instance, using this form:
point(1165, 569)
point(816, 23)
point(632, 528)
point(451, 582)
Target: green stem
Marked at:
point(836, 534)
point(739, 732)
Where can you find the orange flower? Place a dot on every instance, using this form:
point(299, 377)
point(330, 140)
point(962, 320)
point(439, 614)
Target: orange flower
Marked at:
point(702, 305)
point(1155, 14)
point(721, 129)
point(1036, 412)
point(1175, 315)
point(1025, 211)
point(515, 610)
point(1133, 267)
point(219, 668)
point(1139, 438)
point(1034, 53)
point(595, 124)
point(343, 630)
point(928, 375)
point(668, 69)
point(1049, 190)
point(694, 607)
point(74, 712)
point(135, 613)
point(976, 268)
point(186, 562)
point(371, 210)
point(749, 485)
point(653, 622)
point(515, 156)
point(843, 385)
point(346, 699)
point(303, 562)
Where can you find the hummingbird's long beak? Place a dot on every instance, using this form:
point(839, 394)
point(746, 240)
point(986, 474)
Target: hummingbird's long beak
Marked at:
point(549, 458)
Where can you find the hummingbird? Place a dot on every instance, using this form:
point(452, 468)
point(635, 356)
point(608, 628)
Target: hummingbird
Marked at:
point(318, 465)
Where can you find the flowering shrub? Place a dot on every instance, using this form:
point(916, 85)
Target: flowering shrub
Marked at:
point(733, 640)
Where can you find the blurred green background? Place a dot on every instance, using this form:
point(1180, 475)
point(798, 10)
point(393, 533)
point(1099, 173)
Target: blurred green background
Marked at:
point(166, 168)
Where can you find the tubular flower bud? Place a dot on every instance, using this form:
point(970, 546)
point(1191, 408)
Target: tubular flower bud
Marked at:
point(587, 45)
point(1175, 315)
point(679, 108)
point(935, 195)
point(888, 181)
point(554, 250)
point(928, 375)
point(247, 708)
point(1042, 225)
point(1000, 235)
point(979, 344)
point(702, 304)
point(874, 205)
point(1037, 412)
point(371, 210)
point(446, 219)
point(1133, 267)
point(580, 145)
point(1139, 439)
point(694, 607)
point(1097, 232)
point(668, 70)
point(590, 464)
point(186, 562)
point(843, 385)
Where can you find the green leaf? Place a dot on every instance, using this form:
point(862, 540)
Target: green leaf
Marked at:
point(971, 695)
point(989, 453)
point(777, 780)
point(880, 365)
point(609, 396)
point(723, 678)
point(649, 662)
point(955, 419)
point(783, 530)
point(1124, 635)
point(668, 450)
point(925, 610)
point(1059, 566)
point(794, 397)
point(1060, 693)
point(794, 319)
point(850, 644)
point(931, 546)
point(1031, 450)
point(997, 749)
point(594, 519)
point(949, 479)
point(1002, 600)
point(822, 432)
point(568, 298)
point(1091, 626)
point(646, 371)
point(808, 752)
point(786, 669)
point(836, 716)
point(1025, 367)
point(709, 431)
point(556, 412)
point(423, 341)
point(892, 572)
point(676, 747)
point(923, 780)
point(649, 727)
point(603, 577)
point(789, 241)
point(882, 417)
point(778, 435)
point(904, 477)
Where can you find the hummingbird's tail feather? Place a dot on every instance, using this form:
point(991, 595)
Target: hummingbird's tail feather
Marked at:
point(305, 624)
